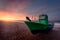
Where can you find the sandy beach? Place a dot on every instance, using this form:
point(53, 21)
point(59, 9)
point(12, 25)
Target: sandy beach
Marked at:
point(20, 31)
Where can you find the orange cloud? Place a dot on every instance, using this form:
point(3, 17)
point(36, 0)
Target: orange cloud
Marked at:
point(9, 16)
point(12, 9)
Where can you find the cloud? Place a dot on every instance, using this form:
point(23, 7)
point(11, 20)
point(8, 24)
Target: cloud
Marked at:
point(13, 5)
point(13, 9)
point(39, 10)
point(6, 15)
point(29, 7)
point(53, 10)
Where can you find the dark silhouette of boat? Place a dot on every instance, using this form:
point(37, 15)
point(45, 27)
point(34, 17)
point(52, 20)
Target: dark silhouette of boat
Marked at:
point(41, 26)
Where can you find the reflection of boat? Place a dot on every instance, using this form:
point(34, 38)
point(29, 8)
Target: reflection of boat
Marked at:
point(40, 26)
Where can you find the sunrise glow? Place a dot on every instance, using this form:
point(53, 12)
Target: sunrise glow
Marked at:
point(11, 16)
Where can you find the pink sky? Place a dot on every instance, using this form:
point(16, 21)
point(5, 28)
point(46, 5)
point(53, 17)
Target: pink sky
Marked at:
point(4, 15)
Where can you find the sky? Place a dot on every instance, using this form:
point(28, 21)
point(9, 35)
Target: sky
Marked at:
point(19, 9)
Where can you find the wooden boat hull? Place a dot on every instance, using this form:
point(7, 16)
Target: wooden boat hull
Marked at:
point(37, 27)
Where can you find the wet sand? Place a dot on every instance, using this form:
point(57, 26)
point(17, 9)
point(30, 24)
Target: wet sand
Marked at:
point(20, 31)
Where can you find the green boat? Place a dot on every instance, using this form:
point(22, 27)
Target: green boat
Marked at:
point(41, 26)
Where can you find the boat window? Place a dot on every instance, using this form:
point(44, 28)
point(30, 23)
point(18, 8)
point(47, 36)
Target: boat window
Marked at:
point(42, 17)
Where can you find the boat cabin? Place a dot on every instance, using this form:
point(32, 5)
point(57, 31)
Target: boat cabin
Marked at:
point(43, 19)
